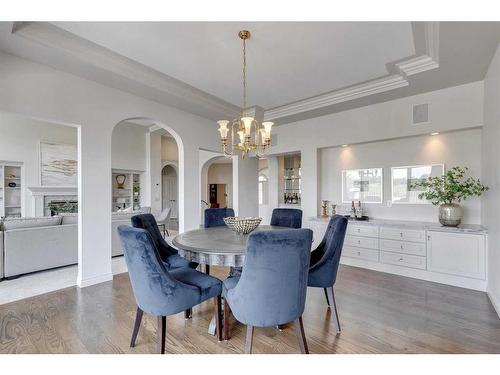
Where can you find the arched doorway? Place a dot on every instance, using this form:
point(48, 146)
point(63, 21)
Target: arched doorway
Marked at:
point(216, 181)
point(170, 194)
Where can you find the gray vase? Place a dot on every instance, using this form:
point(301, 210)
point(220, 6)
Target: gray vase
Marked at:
point(450, 214)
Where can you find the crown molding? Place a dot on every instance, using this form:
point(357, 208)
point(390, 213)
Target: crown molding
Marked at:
point(369, 88)
point(416, 65)
point(404, 69)
point(97, 56)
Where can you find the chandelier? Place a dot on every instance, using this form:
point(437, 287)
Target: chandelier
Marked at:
point(246, 134)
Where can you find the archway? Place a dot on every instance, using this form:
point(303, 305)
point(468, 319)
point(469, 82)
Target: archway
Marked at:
point(216, 181)
point(139, 152)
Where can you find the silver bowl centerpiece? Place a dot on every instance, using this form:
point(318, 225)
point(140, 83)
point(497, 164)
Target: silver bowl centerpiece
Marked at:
point(242, 225)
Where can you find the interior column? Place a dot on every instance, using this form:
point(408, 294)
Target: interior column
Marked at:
point(310, 181)
point(94, 211)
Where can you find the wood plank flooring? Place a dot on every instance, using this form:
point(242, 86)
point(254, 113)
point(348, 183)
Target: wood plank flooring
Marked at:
point(379, 313)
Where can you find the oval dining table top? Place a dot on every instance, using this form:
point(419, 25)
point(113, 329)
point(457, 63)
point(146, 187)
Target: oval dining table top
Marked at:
point(217, 246)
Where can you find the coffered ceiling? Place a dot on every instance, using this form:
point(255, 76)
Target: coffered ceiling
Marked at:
point(286, 61)
point(295, 70)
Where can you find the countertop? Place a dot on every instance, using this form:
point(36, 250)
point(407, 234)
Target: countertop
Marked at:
point(419, 225)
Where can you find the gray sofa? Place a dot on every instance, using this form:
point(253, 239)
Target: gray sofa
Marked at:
point(40, 243)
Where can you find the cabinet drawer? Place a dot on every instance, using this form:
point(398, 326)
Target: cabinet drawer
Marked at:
point(403, 260)
point(402, 234)
point(366, 242)
point(412, 248)
point(359, 253)
point(362, 230)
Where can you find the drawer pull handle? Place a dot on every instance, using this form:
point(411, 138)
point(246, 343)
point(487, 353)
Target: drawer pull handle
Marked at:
point(359, 230)
point(400, 259)
point(401, 246)
point(359, 242)
point(359, 252)
point(401, 234)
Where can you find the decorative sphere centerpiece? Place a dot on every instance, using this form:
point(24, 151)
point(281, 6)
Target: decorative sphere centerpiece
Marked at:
point(242, 225)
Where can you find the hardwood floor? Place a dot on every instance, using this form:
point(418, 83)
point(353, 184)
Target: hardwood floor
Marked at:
point(379, 313)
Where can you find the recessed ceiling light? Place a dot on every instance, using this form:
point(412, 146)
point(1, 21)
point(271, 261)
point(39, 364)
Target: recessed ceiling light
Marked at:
point(345, 145)
point(435, 133)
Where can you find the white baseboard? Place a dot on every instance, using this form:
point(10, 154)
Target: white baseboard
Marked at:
point(494, 301)
point(462, 282)
point(83, 283)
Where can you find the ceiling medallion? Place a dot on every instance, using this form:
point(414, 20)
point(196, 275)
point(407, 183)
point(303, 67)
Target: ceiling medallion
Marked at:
point(246, 134)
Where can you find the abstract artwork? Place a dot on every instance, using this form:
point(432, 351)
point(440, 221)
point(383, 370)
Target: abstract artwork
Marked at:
point(58, 164)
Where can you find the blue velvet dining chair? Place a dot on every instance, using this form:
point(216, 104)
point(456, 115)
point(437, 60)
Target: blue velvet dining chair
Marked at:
point(287, 217)
point(162, 292)
point(168, 254)
point(325, 261)
point(214, 217)
point(272, 287)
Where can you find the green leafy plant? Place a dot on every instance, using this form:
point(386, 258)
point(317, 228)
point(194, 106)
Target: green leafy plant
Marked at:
point(452, 187)
point(68, 207)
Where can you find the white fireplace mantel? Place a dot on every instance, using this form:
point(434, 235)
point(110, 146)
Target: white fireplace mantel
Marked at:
point(38, 194)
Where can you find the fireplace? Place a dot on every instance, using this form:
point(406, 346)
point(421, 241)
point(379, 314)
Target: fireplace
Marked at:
point(42, 196)
point(54, 205)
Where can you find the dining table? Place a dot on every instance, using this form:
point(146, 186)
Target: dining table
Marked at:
point(216, 246)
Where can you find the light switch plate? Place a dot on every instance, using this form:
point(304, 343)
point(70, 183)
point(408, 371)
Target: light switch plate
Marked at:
point(389, 203)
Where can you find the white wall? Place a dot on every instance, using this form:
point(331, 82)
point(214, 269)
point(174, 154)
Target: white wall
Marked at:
point(20, 142)
point(458, 107)
point(245, 186)
point(462, 148)
point(222, 173)
point(96, 109)
point(128, 145)
point(491, 175)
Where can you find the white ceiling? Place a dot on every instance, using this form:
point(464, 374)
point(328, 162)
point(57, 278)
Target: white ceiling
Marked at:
point(300, 68)
point(286, 61)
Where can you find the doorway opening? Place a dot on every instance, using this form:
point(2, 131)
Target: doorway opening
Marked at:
point(170, 191)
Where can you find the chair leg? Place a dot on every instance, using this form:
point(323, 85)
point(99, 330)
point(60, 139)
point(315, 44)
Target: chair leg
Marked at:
point(331, 296)
point(301, 336)
point(249, 340)
point(137, 325)
point(188, 314)
point(218, 316)
point(207, 269)
point(166, 230)
point(326, 295)
point(161, 333)
point(227, 314)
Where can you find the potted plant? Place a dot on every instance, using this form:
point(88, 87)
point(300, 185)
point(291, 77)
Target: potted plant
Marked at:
point(448, 191)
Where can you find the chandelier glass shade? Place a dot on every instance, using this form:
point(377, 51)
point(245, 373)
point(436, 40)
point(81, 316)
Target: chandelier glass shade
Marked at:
point(245, 135)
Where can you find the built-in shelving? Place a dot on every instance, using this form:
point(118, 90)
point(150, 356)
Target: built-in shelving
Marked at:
point(130, 194)
point(10, 196)
point(290, 180)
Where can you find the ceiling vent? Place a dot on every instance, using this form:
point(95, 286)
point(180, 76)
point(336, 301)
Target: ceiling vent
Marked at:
point(420, 114)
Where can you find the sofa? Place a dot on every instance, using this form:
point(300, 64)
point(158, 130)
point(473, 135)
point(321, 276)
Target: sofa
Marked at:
point(41, 243)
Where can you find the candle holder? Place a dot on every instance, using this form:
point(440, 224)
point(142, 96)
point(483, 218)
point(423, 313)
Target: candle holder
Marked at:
point(334, 209)
point(324, 207)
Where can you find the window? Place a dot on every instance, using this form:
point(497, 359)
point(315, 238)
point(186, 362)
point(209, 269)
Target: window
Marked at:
point(403, 177)
point(263, 191)
point(363, 185)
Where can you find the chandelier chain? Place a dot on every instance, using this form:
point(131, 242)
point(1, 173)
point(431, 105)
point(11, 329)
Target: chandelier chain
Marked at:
point(244, 76)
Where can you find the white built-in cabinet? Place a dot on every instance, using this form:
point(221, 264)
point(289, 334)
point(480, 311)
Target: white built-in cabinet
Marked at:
point(127, 196)
point(445, 255)
point(10, 189)
point(457, 254)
